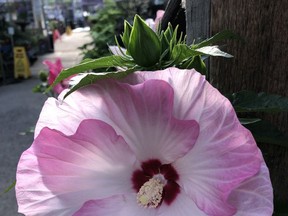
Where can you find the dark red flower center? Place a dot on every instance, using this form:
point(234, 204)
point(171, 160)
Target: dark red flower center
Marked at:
point(152, 168)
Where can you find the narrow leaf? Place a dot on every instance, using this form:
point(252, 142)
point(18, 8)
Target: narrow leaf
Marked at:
point(126, 34)
point(245, 121)
point(248, 101)
point(104, 62)
point(91, 78)
point(9, 188)
point(213, 51)
point(169, 32)
point(216, 38)
point(197, 63)
point(182, 52)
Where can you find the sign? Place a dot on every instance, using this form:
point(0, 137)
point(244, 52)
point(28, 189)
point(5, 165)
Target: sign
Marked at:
point(21, 63)
point(68, 30)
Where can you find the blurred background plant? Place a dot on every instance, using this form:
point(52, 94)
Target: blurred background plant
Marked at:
point(104, 24)
point(108, 21)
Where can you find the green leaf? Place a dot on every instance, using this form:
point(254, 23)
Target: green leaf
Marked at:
point(126, 34)
point(9, 188)
point(265, 132)
point(216, 38)
point(91, 78)
point(104, 62)
point(173, 40)
point(144, 44)
point(164, 44)
point(182, 52)
point(86, 60)
point(248, 101)
point(213, 51)
point(197, 63)
point(245, 121)
point(169, 32)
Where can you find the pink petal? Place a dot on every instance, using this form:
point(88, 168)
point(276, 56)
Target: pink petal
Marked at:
point(63, 172)
point(182, 206)
point(54, 69)
point(142, 114)
point(189, 89)
point(58, 88)
point(225, 153)
point(254, 196)
point(120, 205)
point(218, 163)
point(58, 65)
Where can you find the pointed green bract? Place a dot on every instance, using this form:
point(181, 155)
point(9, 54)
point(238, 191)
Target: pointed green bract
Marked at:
point(144, 44)
point(169, 32)
point(126, 34)
point(197, 63)
point(182, 52)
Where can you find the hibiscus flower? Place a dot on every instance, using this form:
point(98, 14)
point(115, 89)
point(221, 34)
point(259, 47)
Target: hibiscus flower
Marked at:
point(161, 143)
point(54, 71)
point(153, 24)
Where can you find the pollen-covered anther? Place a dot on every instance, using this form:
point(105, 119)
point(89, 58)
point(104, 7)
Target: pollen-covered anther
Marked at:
point(150, 194)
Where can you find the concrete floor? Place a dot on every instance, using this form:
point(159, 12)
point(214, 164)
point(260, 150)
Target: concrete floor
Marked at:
point(19, 111)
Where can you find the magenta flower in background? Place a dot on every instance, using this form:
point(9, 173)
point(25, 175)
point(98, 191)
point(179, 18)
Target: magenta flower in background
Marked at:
point(54, 71)
point(153, 24)
point(163, 143)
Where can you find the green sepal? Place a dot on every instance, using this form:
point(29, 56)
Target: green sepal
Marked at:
point(126, 34)
point(182, 52)
point(195, 62)
point(164, 46)
point(169, 32)
point(144, 44)
point(91, 78)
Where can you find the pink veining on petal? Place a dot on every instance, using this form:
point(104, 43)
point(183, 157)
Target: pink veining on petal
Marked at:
point(225, 153)
point(254, 196)
point(94, 163)
point(118, 205)
point(142, 114)
point(182, 206)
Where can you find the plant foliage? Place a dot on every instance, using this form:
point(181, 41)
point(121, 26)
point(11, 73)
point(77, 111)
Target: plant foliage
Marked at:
point(146, 50)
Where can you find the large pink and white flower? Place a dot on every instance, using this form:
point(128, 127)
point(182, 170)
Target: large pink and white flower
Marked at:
point(160, 143)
